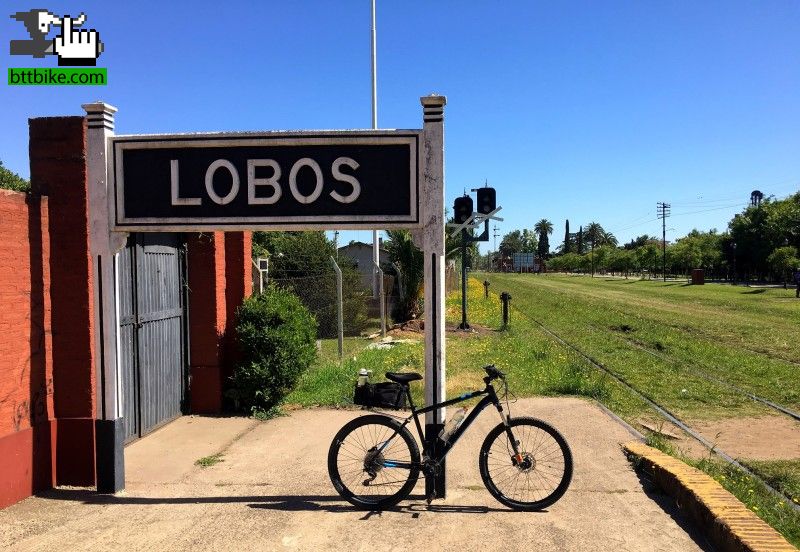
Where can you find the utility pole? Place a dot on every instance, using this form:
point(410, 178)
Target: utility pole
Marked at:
point(495, 248)
point(376, 252)
point(663, 211)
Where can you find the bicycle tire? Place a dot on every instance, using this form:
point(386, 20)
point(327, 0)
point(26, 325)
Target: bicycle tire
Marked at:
point(351, 449)
point(547, 460)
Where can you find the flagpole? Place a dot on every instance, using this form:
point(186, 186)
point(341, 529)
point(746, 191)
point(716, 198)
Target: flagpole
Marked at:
point(375, 244)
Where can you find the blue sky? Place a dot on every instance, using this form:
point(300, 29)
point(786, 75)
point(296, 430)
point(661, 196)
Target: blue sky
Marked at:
point(579, 110)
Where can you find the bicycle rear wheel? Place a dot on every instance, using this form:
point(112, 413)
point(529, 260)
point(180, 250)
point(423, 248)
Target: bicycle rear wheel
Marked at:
point(373, 462)
point(536, 477)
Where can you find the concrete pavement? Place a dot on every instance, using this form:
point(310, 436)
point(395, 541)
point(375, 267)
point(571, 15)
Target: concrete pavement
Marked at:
point(271, 492)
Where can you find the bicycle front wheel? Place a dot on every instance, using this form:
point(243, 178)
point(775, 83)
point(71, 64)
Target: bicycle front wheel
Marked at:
point(373, 462)
point(535, 476)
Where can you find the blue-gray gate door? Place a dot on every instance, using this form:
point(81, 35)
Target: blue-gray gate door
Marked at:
point(152, 331)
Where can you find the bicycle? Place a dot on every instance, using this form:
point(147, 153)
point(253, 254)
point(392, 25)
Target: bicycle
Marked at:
point(374, 461)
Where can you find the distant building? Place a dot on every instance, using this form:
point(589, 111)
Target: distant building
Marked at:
point(361, 254)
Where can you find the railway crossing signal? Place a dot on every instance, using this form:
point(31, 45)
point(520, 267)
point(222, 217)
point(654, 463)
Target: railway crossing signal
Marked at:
point(466, 219)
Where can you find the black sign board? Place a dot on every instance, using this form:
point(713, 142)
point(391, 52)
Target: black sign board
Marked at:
point(301, 180)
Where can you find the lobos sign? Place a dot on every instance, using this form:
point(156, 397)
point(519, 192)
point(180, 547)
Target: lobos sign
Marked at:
point(352, 179)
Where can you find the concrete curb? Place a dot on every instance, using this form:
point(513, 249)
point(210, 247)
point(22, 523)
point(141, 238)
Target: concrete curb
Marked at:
point(728, 524)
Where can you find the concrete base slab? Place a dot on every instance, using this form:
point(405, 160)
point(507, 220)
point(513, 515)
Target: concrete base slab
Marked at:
point(271, 492)
point(169, 454)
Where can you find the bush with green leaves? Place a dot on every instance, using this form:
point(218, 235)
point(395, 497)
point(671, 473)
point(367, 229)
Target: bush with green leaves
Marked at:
point(277, 340)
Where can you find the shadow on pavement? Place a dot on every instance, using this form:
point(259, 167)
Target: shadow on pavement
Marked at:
point(290, 503)
point(668, 505)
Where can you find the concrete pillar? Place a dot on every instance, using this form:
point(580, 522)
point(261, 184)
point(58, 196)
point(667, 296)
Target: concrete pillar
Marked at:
point(103, 247)
point(432, 217)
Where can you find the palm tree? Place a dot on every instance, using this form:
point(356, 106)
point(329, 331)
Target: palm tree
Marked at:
point(607, 238)
point(594, 232)
point(408, 256)
point(544, 228)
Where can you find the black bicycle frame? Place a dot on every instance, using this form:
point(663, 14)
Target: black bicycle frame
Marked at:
point(444, 447)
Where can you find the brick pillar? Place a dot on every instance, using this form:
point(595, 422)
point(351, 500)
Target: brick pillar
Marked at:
point(238, 286)
point(58, 170)
point(207, 317)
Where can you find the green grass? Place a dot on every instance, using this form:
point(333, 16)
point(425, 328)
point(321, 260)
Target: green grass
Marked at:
point(535, 364)
point(660, 336)
point(783, 475)
point(208, 461)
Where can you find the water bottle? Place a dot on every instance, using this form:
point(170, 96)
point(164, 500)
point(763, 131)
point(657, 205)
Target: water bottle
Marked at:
point(363, 376)
point(453, 424)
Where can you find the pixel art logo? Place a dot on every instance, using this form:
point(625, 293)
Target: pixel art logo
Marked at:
point(74, 47)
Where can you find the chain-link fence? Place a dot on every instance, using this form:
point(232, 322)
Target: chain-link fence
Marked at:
point(315, 282)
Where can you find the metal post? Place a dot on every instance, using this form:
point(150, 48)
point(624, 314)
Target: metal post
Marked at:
point(376, 255)
point(381, 298)
point(432, 237)
point(104, 244)
point(505, 298)
point(464, 324)
point(339, 306)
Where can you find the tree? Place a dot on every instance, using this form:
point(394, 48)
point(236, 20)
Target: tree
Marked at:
point(567, 241)
point(543, 228)
point(518, 242)
point(579, 239)
point(301, 263)
point(607, 238)
point(783, 261)
point(408, 256)
point(594, 232)
point(636, 243)
point(12, 181)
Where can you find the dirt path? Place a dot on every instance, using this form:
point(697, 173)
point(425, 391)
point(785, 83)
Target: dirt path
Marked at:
point(271, 492)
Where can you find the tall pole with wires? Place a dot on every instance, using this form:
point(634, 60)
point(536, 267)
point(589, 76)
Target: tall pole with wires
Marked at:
point(663, 211)
point(376, 255)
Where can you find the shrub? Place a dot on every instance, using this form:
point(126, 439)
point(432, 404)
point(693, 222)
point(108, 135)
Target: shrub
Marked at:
point(276, 336)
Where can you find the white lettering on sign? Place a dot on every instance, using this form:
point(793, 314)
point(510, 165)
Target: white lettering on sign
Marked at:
point(272, 182)
point(176, 199)
point(340, 176)
point(299, 164)
point(252, 182)
point(212, 168)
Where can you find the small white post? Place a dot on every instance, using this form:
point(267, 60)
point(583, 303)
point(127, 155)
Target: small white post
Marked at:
point(339, 306)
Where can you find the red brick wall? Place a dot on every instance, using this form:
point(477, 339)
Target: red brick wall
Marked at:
point(58, 170)
point(206, 268)
point(219, 278)
point(26, 378)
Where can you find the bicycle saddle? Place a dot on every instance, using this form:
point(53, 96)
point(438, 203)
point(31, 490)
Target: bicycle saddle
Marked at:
point(403, 377)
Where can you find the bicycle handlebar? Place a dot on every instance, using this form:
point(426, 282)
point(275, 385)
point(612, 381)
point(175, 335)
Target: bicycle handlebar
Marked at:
point(493, 372)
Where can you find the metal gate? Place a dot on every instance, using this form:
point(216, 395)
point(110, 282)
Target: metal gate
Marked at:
point(152, 331)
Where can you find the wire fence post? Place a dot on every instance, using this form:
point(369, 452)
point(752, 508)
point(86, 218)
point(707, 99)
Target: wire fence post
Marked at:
point(339, 314)
point(381, 298)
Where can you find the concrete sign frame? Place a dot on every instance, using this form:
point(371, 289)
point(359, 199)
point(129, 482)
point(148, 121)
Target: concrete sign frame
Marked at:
point(345, 165)
point(108, 236)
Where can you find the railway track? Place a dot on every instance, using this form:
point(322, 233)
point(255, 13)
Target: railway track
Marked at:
point(662, 410)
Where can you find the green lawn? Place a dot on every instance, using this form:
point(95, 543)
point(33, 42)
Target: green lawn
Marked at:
point(662, 336)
